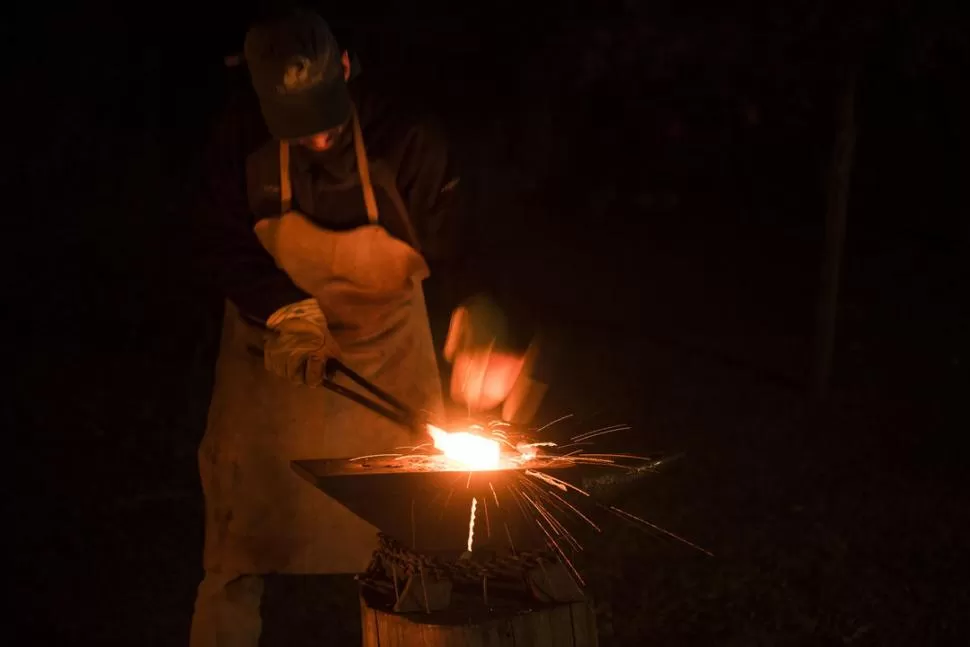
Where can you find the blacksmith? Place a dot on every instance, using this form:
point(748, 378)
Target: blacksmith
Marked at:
point(324, 211)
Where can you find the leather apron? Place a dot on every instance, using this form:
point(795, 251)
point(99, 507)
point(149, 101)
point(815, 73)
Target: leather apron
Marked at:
point(261, 517)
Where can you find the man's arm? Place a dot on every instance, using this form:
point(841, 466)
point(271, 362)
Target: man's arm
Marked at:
point(430, 184)
point(430, 181)
point(230, 256)
point(432, 187)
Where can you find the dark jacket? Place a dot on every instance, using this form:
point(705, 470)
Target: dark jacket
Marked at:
point(411, 150)
point(237, 267)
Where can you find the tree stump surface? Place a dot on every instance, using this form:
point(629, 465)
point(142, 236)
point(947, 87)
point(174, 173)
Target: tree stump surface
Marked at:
point(537, 625)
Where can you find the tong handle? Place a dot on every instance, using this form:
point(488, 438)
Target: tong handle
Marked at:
point(335, 366)
point(404, 414)
point(376, 407)
point(397, 411)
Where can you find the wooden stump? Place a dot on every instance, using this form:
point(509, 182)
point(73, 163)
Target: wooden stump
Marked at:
point(541, 625)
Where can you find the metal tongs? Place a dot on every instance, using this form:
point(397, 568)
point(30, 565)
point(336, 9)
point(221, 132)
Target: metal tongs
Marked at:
point(390, 408)
point(387, 405)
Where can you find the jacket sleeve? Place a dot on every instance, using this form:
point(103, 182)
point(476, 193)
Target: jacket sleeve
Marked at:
point(430, 183)
point(432, 186)
point(231, 259)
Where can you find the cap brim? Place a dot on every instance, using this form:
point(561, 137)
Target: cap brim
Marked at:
point(313, 111)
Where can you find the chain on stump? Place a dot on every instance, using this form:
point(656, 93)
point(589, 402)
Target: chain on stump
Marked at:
point(392, 559)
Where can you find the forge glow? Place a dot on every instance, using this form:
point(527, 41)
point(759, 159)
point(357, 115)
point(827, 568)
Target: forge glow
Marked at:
point(471, 451)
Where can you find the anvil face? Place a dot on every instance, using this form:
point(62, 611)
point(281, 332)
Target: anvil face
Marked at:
point(428, 510)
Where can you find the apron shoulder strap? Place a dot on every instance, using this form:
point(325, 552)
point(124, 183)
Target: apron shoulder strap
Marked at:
point(385, 178)
point(363, 168)
point(286, 185)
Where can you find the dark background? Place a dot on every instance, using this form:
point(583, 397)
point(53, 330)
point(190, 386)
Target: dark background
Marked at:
point(647, 177)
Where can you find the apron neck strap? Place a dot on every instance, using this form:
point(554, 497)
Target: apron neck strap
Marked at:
point(286, 186)
point(363, 170)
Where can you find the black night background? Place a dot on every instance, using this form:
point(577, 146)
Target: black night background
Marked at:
point(655, 180)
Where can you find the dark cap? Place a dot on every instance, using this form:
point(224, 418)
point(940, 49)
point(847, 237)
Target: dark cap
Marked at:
point(296, 70)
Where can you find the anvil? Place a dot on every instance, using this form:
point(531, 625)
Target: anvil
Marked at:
point(428, 506)
point(428, 510)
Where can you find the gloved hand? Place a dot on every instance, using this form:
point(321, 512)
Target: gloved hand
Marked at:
point(476, 325)
point(299, 344)
point(485, 373)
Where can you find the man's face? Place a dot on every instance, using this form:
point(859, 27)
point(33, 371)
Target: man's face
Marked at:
point(322, 141)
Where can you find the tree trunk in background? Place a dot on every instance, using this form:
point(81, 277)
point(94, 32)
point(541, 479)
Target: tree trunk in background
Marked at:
point(835, 222)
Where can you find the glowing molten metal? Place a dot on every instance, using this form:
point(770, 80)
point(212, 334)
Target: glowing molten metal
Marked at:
point(471, 451)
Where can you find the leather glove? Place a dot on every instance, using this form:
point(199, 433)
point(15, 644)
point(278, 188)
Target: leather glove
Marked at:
point(477, 325)
point(485, 373)
point(299, 344)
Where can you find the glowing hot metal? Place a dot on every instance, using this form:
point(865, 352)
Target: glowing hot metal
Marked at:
point(471, 451)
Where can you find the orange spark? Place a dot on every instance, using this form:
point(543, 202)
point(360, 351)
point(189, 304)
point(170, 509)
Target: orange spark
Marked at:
point(471, 525)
